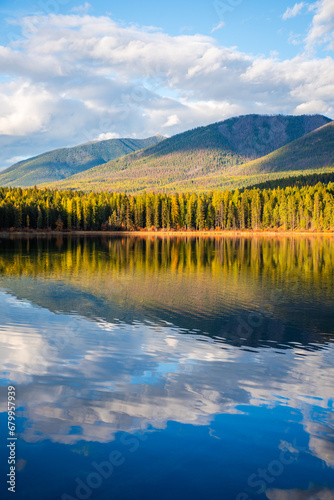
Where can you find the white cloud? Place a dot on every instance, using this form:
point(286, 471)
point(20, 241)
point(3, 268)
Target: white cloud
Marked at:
point(311, 107)
point(172, 120)
point(303, 82)
point(322, 29)
point(293, 11)
point(107, 136)
point(73, 78)
point(25, 108)
point(15, 159)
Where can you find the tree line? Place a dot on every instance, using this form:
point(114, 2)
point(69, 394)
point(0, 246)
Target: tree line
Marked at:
point(290, 208)
point(296, 180)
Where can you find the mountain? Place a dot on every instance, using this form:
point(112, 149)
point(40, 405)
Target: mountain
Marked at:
point(62, 163)
point(191, 160)
point(314, 150)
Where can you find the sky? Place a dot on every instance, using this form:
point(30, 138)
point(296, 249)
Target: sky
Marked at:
point(72, 72)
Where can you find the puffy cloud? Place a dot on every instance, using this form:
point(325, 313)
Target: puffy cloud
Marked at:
point(25, 108)
point(73, 78)
point(304, 82)
point(322, 29)
point(172, 120)
point(310, 107)
point(109, 135)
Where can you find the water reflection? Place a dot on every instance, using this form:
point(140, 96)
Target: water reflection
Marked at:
point(296, 494)
point(258, 289)
point(221, 349)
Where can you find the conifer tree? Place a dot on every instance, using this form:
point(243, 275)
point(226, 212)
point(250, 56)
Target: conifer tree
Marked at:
point(200, 215)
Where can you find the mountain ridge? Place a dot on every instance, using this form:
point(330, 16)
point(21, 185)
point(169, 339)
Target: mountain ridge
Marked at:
point(201, 153)
point(299, 152)
point(63, 162)
point(219, 155)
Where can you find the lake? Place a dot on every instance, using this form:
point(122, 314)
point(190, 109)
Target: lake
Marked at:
point(168, 368)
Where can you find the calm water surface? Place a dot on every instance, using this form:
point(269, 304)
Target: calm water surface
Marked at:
point(169, 369)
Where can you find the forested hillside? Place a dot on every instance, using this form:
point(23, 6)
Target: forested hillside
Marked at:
point(297, 180)
point(314, 150)
point(62, 163)
point(204, 158)
point(292, 208)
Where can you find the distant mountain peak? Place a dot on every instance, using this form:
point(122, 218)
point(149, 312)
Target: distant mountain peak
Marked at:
point(203, 158)
point(65, 162)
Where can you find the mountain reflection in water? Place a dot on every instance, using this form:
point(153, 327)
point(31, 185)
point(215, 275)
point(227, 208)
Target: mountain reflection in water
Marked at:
point(217, 354)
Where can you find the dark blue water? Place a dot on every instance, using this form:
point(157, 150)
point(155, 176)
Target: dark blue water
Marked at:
point(168, 369)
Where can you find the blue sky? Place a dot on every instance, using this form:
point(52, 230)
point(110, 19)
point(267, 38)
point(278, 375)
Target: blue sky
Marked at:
point(73, 72)
point(254, 27)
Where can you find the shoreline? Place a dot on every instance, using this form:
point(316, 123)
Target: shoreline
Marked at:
point(223, 233)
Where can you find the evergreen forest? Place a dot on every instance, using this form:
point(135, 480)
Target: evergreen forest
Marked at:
point(291, 208)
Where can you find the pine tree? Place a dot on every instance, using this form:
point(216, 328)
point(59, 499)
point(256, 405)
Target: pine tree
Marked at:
point(39, 218)
point(69, 206)
point(156, 210)
point(189, 213)
point(200, 215)
point(78, 212)
point(175, 212)
point(164, 214)
point(128, 221)
point(149, 213)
